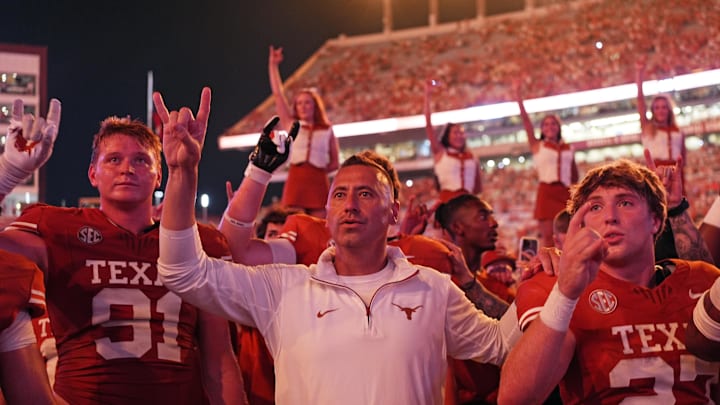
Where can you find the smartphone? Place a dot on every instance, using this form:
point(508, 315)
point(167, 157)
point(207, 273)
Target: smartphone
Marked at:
point(528, 248)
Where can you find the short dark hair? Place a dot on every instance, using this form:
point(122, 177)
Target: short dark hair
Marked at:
point(275, 215)
point(446, 213)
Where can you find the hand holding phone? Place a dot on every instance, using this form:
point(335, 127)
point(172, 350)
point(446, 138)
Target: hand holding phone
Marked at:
point(528, 248)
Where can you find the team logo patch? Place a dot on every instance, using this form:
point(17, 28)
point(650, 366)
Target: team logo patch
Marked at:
point(89, 235)
point(603, 301)
point(408, 311)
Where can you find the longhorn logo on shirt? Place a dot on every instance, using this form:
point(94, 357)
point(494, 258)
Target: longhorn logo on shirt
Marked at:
point(408, 311)
point(89, 235)
point(603, 301)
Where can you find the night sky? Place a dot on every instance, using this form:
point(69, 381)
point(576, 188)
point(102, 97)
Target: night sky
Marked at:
point(99, 53)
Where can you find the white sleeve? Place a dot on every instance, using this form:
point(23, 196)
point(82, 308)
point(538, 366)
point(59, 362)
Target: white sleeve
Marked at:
point(244, 294)
point(283, 251)
point(19, 334)
point(510, 327)
point(470, 333)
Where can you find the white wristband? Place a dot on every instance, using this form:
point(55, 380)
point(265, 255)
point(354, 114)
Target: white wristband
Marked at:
point(704, 323)
point(10, 176)
point(237, 223)
point(257, 174)
point(713, 215)
point(558, 310)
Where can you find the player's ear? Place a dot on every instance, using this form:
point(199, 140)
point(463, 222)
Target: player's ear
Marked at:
point(656, 222)
point(91, 175)
point(395, 212)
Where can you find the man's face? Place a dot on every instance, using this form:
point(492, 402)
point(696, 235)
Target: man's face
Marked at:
point(477, 226)
point(624, 220)
point(360, 207)
point(125, 171)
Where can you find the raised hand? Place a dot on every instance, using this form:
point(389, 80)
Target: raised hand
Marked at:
point(275, 57)
point(583, 252)
point(671, 177)
point(273, 147)
point(183, 133)
point(415, 219)
point(30, 140)
point(430, 83)
point(461, 273)
point(28, 145)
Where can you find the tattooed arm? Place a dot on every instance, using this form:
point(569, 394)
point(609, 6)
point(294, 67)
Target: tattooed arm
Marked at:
point(689, 243)
point(491, 304)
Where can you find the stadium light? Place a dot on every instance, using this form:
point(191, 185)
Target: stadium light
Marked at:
point(204, 203)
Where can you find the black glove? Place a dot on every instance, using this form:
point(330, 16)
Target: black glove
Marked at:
point(273, 149)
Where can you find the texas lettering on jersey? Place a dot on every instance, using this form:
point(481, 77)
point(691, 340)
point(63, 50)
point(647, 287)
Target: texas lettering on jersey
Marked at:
point(120, 272)
point(653, 338)
point(121, 336)
point(630, 339)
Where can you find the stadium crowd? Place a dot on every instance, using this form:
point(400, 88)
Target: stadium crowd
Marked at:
point(558, 46)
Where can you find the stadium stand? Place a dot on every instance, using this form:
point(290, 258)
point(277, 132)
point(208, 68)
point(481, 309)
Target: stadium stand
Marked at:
point(561, 46)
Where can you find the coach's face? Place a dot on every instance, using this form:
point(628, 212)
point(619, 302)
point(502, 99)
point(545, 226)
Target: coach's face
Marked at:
point(360, 207)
